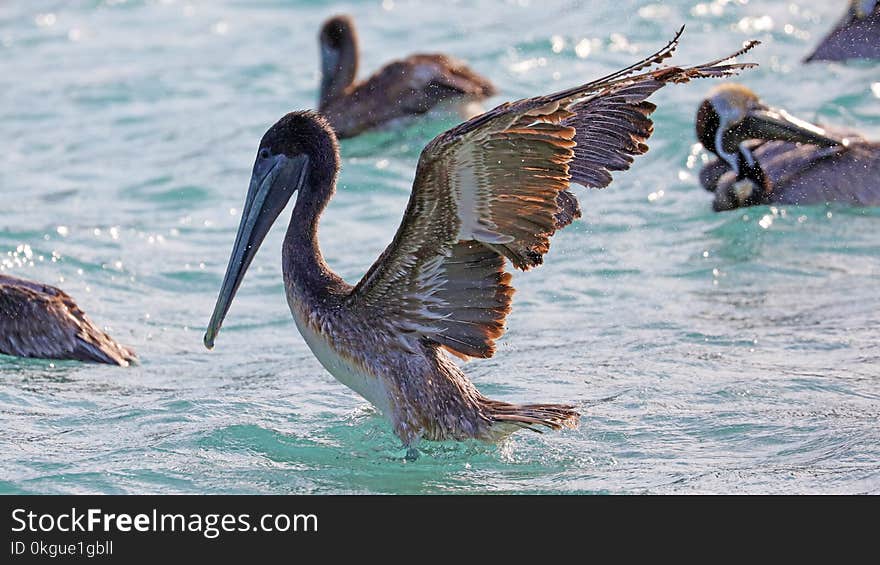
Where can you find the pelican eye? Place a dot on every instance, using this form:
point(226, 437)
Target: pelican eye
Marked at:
point(264, 153)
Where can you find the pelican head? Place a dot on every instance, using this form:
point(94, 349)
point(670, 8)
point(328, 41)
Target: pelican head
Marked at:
point(298, 153)
point(338, 42)
point(730, 117)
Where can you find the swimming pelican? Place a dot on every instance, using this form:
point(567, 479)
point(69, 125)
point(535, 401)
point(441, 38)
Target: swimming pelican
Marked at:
point(767, 156)
point(38, 320)
point(856, 36)
point(492, 188)
point(403, 88)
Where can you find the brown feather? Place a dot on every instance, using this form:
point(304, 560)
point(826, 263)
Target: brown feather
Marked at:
point(407, 87)
point(38, 320)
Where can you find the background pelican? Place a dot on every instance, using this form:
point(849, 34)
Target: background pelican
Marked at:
point(767, 156)
point(856, 35)
point(491, 189)
point(38, 320)
point(402, 88)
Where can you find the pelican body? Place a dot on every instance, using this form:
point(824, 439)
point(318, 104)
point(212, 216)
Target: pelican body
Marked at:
point(768, 156)
point(491, 190)
point(408, 87)
point(856, 36)
point(38, 320)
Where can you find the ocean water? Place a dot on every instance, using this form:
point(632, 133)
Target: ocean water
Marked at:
point(709, 353)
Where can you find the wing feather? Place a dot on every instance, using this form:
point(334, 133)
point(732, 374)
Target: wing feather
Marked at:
point(496, 188)
point(42, 321)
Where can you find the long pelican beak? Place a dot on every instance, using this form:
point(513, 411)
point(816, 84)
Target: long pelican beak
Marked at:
point(272, 184)
point(773, 124)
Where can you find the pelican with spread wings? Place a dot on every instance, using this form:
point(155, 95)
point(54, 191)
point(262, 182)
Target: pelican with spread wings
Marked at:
point(493, 189)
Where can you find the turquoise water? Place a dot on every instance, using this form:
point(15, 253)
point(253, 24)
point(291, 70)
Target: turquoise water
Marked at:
point(733, 352)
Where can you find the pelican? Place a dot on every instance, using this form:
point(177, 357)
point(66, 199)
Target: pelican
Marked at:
point(38, 320)
point(494, 188)
point(403, 88)
point(856, 36)
point(768, 156)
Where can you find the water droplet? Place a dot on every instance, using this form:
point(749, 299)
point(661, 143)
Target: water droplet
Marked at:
point(656, 195)
point(583, 48)
point(45, 20)
point(220, 28)
point(654, 12)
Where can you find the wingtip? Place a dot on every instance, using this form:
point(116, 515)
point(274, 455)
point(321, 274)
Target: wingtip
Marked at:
point(724, 66)
point(747, 46)
point(750, 44)
point(671, 47)
point(131, 359)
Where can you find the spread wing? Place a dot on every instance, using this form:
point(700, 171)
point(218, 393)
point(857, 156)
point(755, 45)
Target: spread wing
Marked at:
point(495, 187)
point(42, 321)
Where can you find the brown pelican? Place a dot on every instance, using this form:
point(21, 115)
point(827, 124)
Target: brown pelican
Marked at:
point(856, 36)
point(493, 188)
point(767, 156)
point(403, 88)
point(38, 320)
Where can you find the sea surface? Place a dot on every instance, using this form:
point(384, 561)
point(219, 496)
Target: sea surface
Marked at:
point(709, 353)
